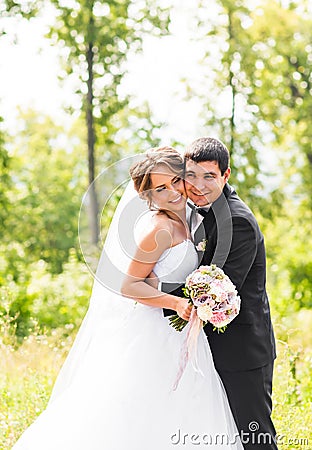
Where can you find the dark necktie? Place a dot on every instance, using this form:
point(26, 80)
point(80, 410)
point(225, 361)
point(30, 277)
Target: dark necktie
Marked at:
point(195, 209)
point(203, 212)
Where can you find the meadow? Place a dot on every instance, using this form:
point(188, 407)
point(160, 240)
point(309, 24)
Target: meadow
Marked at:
point(28, 371)
point(246, 78)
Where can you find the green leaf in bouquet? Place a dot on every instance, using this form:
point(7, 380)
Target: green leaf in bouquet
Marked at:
point(220, 329)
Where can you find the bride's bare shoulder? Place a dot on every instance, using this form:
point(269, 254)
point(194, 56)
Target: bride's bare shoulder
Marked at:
point(154, 220)
point(155, 226)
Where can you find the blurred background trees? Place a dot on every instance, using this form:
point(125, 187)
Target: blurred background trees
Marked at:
point(245, 77)
point(253, 87)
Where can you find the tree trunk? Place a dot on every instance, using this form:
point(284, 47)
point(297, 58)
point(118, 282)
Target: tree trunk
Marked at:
point(93, 205)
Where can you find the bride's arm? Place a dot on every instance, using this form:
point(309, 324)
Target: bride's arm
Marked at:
point(150, 248)
point(152, 280)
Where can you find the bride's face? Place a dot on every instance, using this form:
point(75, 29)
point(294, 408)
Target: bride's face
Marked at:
point(167, 189)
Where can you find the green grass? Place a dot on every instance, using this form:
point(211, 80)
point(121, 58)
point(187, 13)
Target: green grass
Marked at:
point(28, 372)
point(292, 387)
point(27, 375)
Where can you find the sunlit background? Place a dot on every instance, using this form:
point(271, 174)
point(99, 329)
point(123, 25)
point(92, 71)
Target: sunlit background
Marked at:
point(30, 67)
point(164, 72)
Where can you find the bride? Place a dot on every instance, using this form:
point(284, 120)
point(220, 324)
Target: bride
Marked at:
point(115, 389)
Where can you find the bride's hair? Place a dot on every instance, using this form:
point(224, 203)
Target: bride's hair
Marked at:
point(140, 172)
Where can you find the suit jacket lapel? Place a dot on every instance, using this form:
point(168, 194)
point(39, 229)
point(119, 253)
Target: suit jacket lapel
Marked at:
point(194, 221)
point(205, 229)
point(218, 229)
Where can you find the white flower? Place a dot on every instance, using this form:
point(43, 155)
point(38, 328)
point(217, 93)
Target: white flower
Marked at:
point(218, 292)
point(201, 246)
point(204, 312)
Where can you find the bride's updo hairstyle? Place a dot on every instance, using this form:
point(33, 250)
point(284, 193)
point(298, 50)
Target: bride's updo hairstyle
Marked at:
point(140, 172)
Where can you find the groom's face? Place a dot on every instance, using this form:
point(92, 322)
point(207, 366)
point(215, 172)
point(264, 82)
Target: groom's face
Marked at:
point(204, 182)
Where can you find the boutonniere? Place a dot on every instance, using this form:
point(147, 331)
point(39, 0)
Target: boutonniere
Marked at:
point(201, 246)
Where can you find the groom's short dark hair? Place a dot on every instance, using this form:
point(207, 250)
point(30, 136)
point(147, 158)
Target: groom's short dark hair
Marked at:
point(209, 149)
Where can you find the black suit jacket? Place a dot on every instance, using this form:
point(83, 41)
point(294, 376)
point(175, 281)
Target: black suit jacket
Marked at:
point(235, 243)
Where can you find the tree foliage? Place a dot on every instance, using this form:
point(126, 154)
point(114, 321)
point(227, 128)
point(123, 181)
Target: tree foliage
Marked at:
point(256, 66)
point(49, 181)
point(98, 37)
point(227, 111)
point(5, 180)
point(255, 92)
point(282, 83)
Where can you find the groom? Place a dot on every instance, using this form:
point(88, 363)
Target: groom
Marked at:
point(227, 232)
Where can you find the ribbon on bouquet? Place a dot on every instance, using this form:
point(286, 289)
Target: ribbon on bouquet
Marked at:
point(189, 347)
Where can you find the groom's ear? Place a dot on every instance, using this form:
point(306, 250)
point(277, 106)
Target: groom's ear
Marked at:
point(227, 174)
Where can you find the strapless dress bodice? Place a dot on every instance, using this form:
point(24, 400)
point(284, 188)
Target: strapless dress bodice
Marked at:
point(177, 262)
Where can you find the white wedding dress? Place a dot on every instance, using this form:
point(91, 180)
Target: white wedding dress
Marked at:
point(115, 390)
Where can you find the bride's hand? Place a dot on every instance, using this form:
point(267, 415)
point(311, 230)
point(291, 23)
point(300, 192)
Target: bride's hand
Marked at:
point(184, 309)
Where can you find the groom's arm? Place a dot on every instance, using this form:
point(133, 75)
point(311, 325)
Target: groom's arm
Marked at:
point(172, 288)
point(168, 288)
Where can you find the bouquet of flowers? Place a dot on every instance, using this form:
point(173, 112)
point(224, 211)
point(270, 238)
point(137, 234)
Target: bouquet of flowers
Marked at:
point(214, 296)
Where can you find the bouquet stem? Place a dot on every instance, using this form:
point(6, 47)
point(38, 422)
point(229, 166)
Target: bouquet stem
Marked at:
point(177, 322)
